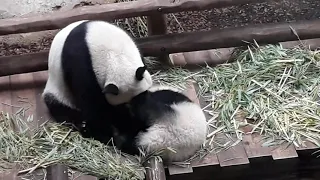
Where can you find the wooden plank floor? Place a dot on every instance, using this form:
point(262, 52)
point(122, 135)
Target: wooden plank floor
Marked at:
point(24, 90)
point(248, 151)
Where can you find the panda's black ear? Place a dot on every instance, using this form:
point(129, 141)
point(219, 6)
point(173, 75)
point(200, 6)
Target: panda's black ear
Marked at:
point(139, 72)
point(111, 89)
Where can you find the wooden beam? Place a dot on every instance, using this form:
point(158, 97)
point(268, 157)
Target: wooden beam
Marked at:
point(25, 63)
point(184, 42)
point(222, 55)
point(58, 20)
point(230, 37)
point(157, 25)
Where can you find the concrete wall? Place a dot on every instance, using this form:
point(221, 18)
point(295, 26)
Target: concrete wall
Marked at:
point(11, 8)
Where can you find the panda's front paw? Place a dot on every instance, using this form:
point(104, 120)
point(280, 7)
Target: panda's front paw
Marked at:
point(84, 132)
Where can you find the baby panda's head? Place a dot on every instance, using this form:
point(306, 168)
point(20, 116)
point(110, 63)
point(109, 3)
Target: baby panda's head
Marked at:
point(127, 85)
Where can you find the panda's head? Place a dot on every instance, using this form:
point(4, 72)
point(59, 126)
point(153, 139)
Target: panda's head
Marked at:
point(127, 86)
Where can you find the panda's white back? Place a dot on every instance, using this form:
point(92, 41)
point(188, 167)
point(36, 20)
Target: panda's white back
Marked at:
point(55, 83)
point(115, 58)
point(184, 130)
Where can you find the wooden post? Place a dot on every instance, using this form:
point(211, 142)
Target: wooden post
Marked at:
point(157, 25)
point(154, 169)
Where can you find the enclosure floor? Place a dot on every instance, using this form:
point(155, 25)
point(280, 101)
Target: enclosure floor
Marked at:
point(24, 90)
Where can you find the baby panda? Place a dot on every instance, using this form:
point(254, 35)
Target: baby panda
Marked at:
point(166, 118)
point(93, 66)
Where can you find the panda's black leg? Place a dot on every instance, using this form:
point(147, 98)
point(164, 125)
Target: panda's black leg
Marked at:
point(96, 128)
point(82, 82)
point(62, 113)
point(95, 111)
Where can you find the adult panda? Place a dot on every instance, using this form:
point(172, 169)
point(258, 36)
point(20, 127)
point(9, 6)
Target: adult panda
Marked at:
point(93, 66)
point(167, 118)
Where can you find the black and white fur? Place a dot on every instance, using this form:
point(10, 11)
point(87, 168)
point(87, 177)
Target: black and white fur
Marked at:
point(166, 118)
point(93, 66)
